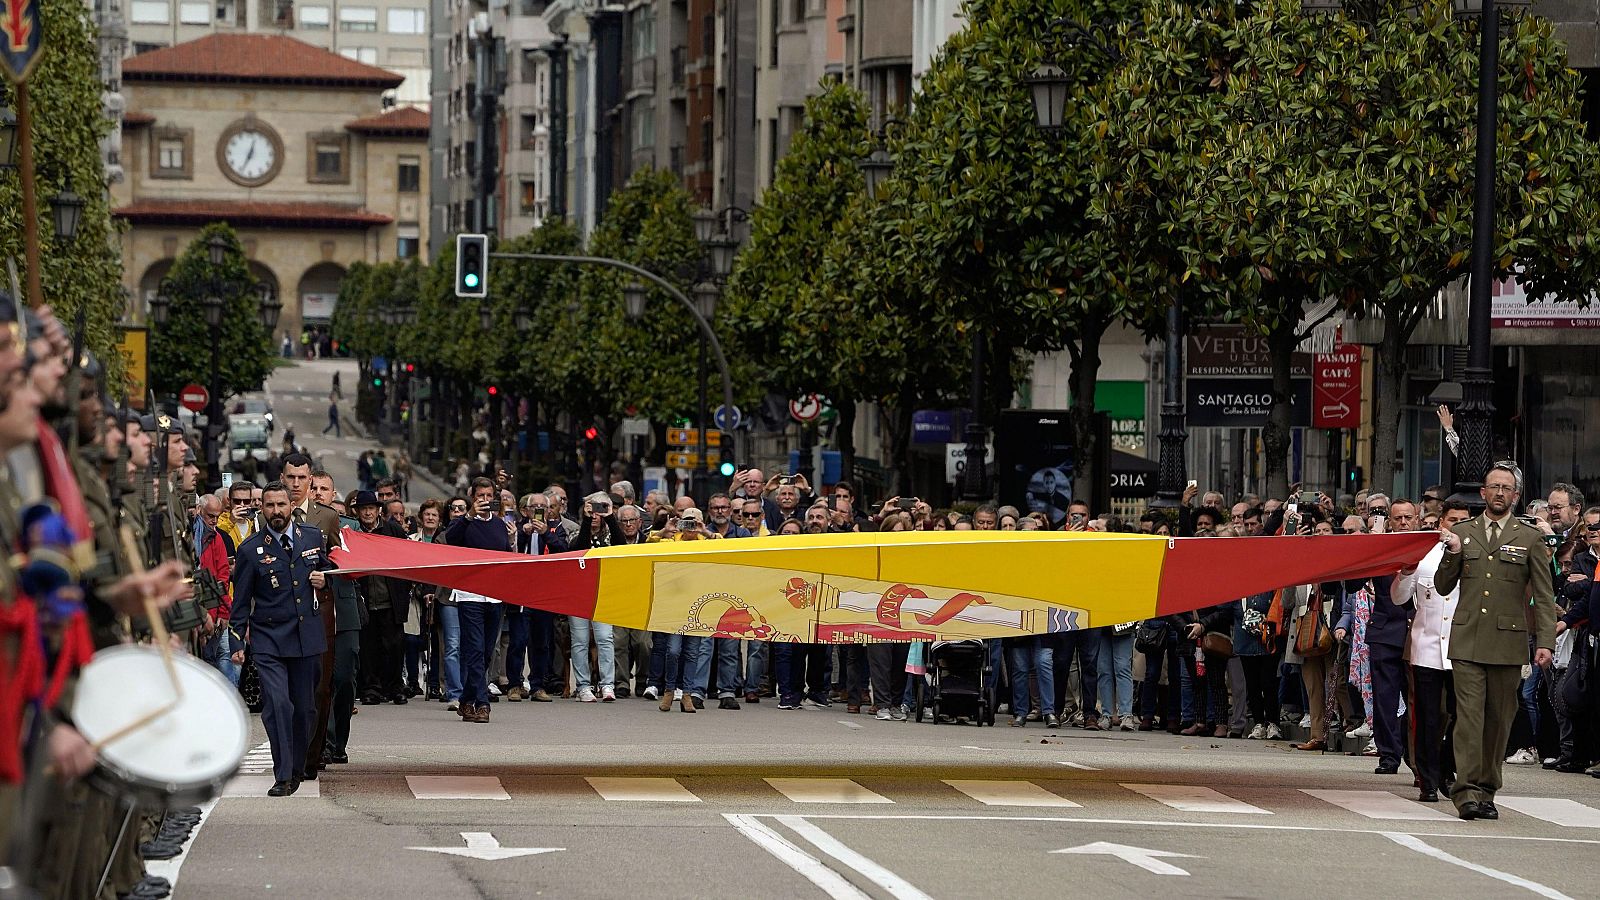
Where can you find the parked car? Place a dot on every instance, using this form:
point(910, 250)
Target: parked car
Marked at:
point(248, 410)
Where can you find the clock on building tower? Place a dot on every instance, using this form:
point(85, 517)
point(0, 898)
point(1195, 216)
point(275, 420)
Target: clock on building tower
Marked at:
point(250, 153)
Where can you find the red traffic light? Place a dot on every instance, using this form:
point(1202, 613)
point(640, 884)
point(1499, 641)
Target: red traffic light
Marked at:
point(493, 390)
point(411, 367)
point(591, 433)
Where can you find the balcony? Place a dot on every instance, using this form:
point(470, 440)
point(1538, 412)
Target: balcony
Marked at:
point(642, 78)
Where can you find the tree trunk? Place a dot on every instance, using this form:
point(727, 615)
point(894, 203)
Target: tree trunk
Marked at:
point(1386, 404)
point(1275, 436)
point(1086, 437)
point(897, 433)
point(844, 437)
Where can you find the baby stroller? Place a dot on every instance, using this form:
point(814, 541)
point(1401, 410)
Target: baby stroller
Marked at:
point(962, 682)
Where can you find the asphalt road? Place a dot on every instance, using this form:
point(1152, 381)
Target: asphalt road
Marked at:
point(606, 800)
point(623, 799)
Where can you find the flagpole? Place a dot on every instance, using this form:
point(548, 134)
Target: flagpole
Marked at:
point(30, 202)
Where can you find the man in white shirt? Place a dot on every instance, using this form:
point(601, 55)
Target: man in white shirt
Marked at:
point(1428, 652)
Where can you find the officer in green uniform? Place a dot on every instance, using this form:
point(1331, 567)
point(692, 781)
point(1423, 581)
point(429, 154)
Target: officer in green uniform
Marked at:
point(1503, 569)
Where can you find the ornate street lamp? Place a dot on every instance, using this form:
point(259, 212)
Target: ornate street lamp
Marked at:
point(270, 307)
point(707, 225)
point(1049, 86)
point(160, 303)
point(66, 211)
point(212, 305)
point(720, 254)
point(876, 168)
point(633, 299)
point(705, 296)
point(217, 249)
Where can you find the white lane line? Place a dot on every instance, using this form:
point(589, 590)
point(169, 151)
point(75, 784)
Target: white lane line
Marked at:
point(168, 868)
point(830, 882)
point(1555, 810)
point(1413, 843)
point(851, 725)
point(824, 790)
point(1153, 823)
point(1076, 765)
point(897, 887)
point(666, 790)
point(1009, 793)
point(254, 786)
point(1380, 805)
point(456, 787)
point(1193, 798)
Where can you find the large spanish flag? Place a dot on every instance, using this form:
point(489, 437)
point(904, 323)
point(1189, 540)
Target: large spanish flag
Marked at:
point(902, 586)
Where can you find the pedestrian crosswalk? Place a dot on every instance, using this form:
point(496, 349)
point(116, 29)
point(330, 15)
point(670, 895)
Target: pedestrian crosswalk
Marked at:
point(1334, 807)
point(258, 761)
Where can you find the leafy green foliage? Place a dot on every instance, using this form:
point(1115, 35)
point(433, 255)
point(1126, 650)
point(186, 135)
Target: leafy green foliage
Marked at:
point(64, 93)
point(180, 349)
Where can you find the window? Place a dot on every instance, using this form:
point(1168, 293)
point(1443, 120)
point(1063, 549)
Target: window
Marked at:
point(408, 21)
point(151, 12)
point(191, 13)
point(282, 13)
point(530, 197)
point(408, 178)
point(530, 66)
point(328, 158)
point(368, 55)
point(171, 153)
point(707, 142)
point(408, 242)
point(530, 128)
point(797, 11)
point(228, 13)
point(314, 18)
point(141, 47)
point(644, 126)
point(644, 32)
point(775, 23)
point(358, 18)
point(708, 35)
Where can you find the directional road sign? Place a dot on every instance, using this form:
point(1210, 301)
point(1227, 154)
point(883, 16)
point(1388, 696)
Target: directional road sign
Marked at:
point(728, 418)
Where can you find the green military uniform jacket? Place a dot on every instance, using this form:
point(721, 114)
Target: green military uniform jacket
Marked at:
point(111, 563)
point(1506, 591)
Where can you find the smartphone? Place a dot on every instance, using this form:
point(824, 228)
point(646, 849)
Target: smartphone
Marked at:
point(907, 505)
point(1192, 484)
point(227, 480)
point(1079, 518)
point(785, 479)
point(1308, 498)
point(600, 508)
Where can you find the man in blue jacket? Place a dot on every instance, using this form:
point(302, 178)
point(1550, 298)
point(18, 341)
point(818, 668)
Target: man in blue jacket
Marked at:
point(275, 612)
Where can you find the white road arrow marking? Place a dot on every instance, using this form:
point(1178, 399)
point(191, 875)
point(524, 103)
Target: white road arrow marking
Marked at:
point(482, 845)
point(1145, 859)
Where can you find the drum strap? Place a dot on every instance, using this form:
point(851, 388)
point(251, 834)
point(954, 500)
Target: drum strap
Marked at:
point(21, 679)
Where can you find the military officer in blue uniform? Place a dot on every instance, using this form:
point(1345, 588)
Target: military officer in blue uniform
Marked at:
point(275, 579)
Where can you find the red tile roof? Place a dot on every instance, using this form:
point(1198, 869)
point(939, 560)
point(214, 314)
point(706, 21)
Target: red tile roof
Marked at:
point(254, 58)
point(404, 121)
point(131, 119)
point(250, 213)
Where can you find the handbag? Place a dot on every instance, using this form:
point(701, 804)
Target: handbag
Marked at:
point(1217, 644)
point(1312, 636)
point(1151, 636)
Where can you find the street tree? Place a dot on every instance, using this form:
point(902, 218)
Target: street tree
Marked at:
point(180, 350)
point(83, 276)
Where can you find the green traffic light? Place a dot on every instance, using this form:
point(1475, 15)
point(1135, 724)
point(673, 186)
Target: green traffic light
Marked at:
point(726, 469)
point(377, 382)
point(471, 279)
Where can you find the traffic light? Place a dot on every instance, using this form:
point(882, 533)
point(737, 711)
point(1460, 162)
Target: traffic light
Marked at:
point(725, 466)
point(591, 433)
point(377, 381)
point(493, 391)
point(472, 265)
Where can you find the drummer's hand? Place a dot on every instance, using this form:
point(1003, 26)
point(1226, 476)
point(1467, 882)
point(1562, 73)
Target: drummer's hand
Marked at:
point(318, 579)
point(238, 657)
point(71, 757)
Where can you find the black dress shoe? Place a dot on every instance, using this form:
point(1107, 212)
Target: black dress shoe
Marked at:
point(1487, 810)
point(399, 700)
point(1428, 795)
point(339, 758)
point(1387, 768)
point(371, 700)
point(294, 785)
point(280, 789)
point(1469, 810)
point(699, 703)
point(1570, 766)
point(727, 703)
